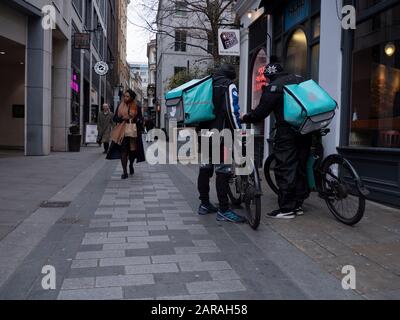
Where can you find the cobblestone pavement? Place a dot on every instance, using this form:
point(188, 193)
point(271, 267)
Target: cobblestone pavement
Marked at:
point(142, 239)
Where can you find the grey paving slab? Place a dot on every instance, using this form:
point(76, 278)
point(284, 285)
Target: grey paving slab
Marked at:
point(92, 294)
point(124, 261)
point(152, 269)
point(218, 286)
point(175, 258)
point(124, 280)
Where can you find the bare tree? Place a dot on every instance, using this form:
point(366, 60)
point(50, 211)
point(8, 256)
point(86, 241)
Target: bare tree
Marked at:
point(199, 19)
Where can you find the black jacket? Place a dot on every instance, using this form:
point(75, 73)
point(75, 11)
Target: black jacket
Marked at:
point(226, 104)
point(272, 101)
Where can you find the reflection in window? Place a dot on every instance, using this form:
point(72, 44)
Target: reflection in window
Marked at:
point(375, 111)
point(296, 57)
point(315, 62)
point(258, 82)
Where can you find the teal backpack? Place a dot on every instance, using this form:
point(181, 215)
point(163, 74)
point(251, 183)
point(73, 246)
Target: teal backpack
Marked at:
point(308, 107)
point(191, 103)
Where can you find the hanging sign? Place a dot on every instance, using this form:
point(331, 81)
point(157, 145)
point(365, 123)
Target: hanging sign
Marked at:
point(101, 68)
point(229, 42)
point(82, 41)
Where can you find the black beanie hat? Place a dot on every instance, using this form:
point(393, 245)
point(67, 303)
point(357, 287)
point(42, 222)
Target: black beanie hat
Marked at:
point(274, 68)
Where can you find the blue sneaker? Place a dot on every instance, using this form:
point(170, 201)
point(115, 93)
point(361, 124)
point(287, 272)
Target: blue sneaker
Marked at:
point(206, 209)
point(230, 216)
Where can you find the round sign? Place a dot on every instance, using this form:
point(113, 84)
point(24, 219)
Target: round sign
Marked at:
point(101, 68)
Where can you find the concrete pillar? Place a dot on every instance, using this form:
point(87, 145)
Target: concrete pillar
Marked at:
point(244, 69)
point(38, 89)
point(330, 67)
point(61, 110)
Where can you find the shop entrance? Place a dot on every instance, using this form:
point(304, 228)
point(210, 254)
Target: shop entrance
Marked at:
point(12, 95)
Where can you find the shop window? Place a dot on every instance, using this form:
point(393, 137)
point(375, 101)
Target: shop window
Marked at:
point(375, 112)
point(180, 9)
point(316, 27)
point(179, 70)
point(296, 56)
point(315, 62)
point(180, 40)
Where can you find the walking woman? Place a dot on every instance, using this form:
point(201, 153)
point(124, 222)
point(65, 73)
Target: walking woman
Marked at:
point(126, 136)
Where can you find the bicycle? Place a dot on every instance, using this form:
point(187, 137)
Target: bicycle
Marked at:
point(247, 189)
point(335, 180)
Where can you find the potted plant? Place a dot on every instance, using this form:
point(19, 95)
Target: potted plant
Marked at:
point(74, 139)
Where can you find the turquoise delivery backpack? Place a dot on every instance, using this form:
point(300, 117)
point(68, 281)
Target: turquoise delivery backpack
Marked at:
point(308, 107)
point(191, 103)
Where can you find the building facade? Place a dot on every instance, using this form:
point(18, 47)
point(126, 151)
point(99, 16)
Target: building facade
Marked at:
point(152, 109)
point(53, 85)
point(141, 70)
point(359, 68)
point(122, 65)
point(177, 49)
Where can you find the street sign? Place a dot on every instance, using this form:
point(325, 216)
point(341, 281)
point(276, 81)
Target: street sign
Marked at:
point(229, 42)
point(101, 68)
point(91, 133)
point(82, 41)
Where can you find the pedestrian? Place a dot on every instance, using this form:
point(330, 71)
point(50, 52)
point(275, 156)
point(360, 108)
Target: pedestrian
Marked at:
point(126, 136)
point(291, 149)
point(227, 112)
point(104, 127)
point(149, 128)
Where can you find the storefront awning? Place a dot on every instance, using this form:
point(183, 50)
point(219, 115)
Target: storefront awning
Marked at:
point(270, 5)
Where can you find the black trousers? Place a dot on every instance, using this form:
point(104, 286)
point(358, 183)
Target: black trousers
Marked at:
point(106, 146)
point(292, 151)
point(223, 173)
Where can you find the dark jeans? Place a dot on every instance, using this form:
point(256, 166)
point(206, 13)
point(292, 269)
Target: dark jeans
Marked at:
point(223, 173)
point(292, 151)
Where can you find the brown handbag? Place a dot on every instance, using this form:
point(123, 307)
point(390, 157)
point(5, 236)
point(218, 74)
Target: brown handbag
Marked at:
point(130, 127)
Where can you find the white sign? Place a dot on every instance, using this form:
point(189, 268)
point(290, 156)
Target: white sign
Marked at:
point(229, 42)
point(101, 68)
point(91, 133)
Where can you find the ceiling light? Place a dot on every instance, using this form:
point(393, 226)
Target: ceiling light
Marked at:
point(2, 53)
point(390, 49)
point(21, 62)
point(249, 15)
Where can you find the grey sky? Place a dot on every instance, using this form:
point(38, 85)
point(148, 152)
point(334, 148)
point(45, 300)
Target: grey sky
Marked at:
point(137, 37)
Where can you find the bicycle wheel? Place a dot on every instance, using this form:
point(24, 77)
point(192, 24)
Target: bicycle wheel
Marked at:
point(234, 192)
point(340, 189)
point(269, 173)
point(252, 200)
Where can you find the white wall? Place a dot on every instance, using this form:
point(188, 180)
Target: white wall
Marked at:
point(12, 92)
point(330, 70)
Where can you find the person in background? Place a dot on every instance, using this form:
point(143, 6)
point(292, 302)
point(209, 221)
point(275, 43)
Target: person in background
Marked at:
point(292, 150)
point(128, 147)
point(104, 127)
point(149, 127)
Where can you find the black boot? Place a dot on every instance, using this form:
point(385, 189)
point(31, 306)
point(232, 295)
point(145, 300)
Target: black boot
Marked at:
point(131, 169)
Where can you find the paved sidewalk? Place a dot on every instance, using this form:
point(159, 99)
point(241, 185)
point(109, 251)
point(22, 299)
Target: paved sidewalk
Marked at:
point(25, 182)
point(142, 239)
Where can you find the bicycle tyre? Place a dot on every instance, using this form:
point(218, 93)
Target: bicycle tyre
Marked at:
point(253, 208)
point(332, 193)
point(268, 170)
point(234, 195)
